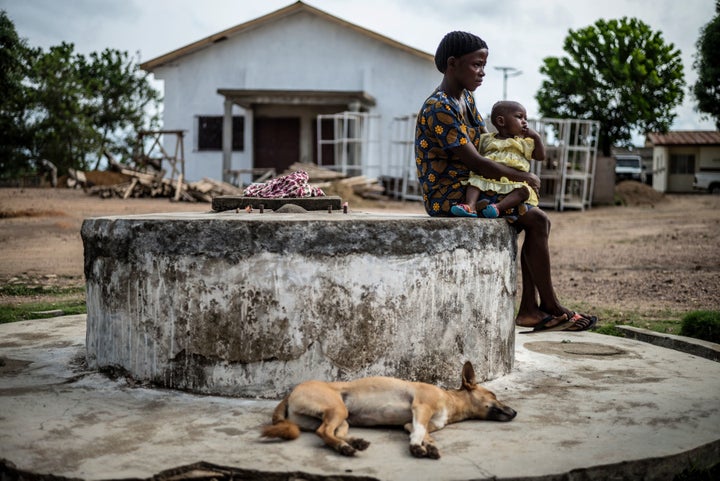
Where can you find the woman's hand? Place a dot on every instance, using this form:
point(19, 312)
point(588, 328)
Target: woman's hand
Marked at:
point(493, 170)
point(533, 181)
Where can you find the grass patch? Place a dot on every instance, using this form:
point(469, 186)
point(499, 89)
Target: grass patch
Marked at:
point(32, 310)
point(703, 325)
point(68, 300)
point(610, 330)
point(665, 321)
point(22, 290)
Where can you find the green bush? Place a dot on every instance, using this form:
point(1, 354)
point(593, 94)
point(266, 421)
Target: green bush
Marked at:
point(703, 325)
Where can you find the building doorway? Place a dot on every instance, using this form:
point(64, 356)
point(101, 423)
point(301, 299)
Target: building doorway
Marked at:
point(276, 142)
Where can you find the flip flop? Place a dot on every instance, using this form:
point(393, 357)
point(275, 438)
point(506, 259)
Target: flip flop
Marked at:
point(542, 326)
point(462, 210)
point(581, 322)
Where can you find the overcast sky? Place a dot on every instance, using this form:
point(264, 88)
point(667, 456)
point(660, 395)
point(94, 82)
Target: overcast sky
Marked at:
point(520, 33)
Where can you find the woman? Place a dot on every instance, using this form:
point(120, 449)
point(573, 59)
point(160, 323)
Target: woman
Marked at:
point(446, 150)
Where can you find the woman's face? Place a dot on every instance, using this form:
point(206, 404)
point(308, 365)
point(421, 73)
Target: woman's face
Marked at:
point(470, 69)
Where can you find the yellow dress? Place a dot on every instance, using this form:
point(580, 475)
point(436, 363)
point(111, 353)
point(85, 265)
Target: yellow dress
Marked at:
point(515, 152)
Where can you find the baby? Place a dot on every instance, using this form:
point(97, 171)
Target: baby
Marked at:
point(514, 145)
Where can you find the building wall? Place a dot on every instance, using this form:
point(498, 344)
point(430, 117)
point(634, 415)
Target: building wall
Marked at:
point(706, 158)
point(660, 168)
point(709, 158)
point(299, 52)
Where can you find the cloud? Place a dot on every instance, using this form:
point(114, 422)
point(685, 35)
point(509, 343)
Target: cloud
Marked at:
point(520, 33)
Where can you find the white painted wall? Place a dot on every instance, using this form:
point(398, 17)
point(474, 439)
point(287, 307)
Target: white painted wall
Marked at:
point(664, 181)
point(299, 52)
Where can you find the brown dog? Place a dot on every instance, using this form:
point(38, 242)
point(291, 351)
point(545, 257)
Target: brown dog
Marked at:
point(330, 408)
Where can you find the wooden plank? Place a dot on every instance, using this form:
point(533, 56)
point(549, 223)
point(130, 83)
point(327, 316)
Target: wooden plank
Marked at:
point(130, 188)
point(179, 187)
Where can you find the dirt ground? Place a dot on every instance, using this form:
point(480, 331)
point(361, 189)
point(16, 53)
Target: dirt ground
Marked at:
point(657, 256)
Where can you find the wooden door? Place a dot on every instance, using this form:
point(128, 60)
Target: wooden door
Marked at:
point(276, 142)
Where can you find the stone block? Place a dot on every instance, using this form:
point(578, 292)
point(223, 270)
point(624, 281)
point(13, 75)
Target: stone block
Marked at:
point(249, 304)
point(231, 202)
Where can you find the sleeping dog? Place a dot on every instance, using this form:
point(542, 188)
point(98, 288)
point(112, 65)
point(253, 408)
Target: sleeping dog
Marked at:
point(330, 408)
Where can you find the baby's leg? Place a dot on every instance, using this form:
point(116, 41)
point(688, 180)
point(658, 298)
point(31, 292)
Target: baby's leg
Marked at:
point(514, 198)
point(472, 194)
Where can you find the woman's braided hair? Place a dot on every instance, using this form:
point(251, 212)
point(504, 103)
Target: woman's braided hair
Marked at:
point(456, 44)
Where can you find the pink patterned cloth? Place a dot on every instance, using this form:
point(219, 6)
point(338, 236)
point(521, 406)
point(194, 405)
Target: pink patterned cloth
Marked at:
point(290, 185)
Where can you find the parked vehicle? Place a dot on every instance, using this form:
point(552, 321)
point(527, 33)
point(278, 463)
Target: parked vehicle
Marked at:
point(629, 167)
point(707, 180)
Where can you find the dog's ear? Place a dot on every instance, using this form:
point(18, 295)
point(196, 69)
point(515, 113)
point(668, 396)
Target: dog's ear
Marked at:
point(468, 376)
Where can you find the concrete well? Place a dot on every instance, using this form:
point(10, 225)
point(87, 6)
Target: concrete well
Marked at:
point(249, 304)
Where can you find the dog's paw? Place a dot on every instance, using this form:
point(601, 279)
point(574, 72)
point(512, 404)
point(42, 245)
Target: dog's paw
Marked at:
point(417, 451)
point(346, 450)
point(425, 451)
point(432, 451)
point(359, 444)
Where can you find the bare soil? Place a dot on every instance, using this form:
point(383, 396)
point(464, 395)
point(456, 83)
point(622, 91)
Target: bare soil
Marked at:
point(656, 257)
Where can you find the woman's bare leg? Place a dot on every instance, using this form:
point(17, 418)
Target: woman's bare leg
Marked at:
point(536, 274)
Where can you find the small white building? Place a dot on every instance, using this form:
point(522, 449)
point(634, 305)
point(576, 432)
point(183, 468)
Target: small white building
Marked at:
point(678, 155)
point(255, 95)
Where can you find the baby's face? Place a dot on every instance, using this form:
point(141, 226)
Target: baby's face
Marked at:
point(515, 122)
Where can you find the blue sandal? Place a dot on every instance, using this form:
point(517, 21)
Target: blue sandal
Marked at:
point(462, 210)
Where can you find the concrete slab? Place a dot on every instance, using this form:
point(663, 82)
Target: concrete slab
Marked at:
point(222, 203)
point(590, 407)
point(697, 347)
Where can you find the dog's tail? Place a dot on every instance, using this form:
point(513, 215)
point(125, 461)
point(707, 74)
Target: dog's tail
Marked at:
point(281, 427)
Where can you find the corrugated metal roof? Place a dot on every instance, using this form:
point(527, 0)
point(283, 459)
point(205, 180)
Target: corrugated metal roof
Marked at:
point(685, 137)
point(292, 9)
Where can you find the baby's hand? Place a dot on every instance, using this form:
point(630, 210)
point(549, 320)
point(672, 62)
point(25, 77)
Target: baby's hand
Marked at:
point(530, 133)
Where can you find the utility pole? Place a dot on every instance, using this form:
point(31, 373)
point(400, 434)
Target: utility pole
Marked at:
point(508, 72)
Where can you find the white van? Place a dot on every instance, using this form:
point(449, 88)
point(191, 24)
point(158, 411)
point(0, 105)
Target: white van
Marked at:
point(629, 167)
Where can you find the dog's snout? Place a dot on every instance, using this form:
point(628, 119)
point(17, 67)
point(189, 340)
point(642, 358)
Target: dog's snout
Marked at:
point(502, 413)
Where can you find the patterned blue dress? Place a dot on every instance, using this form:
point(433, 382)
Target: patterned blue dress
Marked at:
point(440, 127)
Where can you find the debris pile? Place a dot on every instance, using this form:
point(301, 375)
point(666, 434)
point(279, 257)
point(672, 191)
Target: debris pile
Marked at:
point(124, 182)
point(337, 183)
point(134, 183)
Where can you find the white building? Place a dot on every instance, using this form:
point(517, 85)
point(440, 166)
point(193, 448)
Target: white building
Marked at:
point(250, 96)
point(678, 155)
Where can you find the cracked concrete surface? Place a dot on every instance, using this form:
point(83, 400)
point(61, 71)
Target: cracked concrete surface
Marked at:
point(589, 406)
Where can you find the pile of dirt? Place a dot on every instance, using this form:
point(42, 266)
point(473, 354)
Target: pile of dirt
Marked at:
point(105, 177)
point(633, 193)
point(98, 178)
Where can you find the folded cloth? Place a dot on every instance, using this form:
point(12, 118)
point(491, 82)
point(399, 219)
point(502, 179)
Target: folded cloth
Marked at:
point(290, 185)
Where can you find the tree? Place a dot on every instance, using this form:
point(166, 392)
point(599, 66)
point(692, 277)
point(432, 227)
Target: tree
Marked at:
point(618, 72)
point(85, 106)
point(120, 98)
point(62, 131)
point(14, 67)
point(707, 64)
point(69, 108)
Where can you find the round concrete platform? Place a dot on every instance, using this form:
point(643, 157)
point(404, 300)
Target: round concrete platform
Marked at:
point(589, 407)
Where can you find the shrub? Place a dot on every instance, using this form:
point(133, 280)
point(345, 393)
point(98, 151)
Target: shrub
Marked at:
point(703, 325)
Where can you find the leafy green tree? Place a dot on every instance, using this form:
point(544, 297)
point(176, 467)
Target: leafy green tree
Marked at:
point(87, 105)
point(14, 67)
point(62, 130)
point(707, 64)
point(121, 101)
point(69, 108)
point(618, 72)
